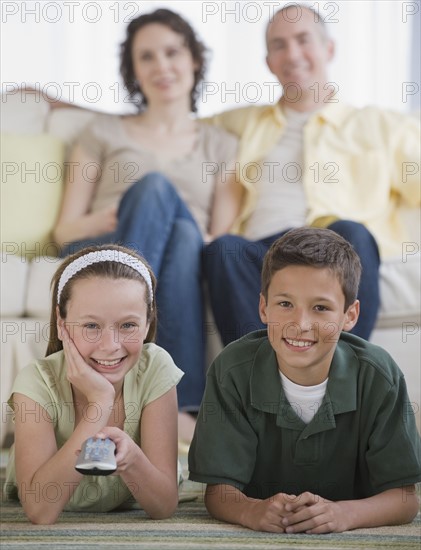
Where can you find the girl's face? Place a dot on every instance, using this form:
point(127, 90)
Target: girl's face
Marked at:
point(107, 321)
point(162, 63)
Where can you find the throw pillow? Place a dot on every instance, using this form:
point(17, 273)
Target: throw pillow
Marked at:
point(31, 187)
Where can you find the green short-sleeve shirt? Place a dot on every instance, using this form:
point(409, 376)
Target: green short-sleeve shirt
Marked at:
point(45, 382)
point(362, 441)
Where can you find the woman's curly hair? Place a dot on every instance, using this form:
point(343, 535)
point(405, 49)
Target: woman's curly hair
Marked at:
point(177, 24)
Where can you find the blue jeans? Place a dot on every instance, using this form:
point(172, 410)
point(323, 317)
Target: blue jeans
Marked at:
point(233, 266)
point(154, 221)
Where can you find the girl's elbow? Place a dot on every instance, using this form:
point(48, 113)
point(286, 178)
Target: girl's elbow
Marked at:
point(165, 512)
point(42, 521)
point(167, 509)
point(39, 517)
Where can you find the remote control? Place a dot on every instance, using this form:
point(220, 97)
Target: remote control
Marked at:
point(97, 457)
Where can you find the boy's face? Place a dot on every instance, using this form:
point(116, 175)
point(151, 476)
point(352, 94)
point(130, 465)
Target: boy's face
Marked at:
point(305, 316)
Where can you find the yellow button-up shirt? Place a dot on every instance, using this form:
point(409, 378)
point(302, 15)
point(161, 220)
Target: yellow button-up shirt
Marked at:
point(358, 164)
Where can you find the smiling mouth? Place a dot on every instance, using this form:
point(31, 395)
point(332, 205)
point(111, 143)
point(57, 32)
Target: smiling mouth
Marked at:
point(164, 83)
point(299, 343)
point(296, 71)
point(105, 363)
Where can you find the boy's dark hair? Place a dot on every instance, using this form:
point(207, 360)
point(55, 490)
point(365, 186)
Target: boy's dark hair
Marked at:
point(177, 24)
point(106, 269)
point(320, 248)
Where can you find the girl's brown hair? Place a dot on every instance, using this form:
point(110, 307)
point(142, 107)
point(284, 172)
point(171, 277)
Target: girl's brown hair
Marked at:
point(106, 269)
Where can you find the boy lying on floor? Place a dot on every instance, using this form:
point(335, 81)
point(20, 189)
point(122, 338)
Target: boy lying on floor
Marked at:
point(303, 427)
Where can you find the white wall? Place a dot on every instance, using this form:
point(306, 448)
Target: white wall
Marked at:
point(70, 49)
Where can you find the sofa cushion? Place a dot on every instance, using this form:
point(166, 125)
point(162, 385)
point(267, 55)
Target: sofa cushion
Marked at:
point(13, 275)
point(400, 292)
point(22, 341)
point(25, 288)
point(38, 297)
point(400, 277)
point(31, 189)
point(67, 124)
point(23, 112)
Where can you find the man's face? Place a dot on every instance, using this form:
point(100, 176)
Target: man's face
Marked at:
point(298, 50)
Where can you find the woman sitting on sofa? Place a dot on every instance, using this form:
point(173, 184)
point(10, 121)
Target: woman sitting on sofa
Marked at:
point(155, 182)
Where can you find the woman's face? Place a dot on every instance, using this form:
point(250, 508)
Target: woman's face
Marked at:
point(163, 65)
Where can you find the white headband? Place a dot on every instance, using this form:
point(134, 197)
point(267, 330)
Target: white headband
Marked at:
point(105, 256)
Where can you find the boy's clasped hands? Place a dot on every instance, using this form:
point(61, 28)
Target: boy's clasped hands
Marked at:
point(305, 513)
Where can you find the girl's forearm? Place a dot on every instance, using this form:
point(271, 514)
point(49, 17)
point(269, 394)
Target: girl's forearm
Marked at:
point(155, 491)
point(44, 497)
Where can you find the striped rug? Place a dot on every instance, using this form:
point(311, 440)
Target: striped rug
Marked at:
point(190, 528)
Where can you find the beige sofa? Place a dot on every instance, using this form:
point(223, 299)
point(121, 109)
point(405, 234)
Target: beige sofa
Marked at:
point(35, 141)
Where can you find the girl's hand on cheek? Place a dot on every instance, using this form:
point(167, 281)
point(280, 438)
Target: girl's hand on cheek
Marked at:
point(82, 376)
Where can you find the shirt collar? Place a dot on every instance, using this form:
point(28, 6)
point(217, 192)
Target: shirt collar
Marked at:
point(265, 382)
point(332, 113)
point(274, 113)
point(343, 376)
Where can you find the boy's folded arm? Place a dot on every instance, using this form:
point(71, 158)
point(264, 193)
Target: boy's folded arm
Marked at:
point(310, 513)
point(314, 515)
point(391, 507)
point(227, 503)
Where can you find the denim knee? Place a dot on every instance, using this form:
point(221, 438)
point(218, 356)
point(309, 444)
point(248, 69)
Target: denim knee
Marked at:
point(186, 234)
point(354, 232)
point(233, 253)
point(152, 185)
point(222, 251)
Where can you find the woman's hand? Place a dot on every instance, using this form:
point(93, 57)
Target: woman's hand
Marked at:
point(95, 387)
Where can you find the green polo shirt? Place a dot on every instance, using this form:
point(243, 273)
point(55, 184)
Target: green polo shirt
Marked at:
point(362, 441)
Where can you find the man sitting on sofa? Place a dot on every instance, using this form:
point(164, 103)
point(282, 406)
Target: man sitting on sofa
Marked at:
point(311, 161)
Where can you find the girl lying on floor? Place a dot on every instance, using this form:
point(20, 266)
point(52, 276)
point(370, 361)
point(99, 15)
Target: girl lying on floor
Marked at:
point(102, 377)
